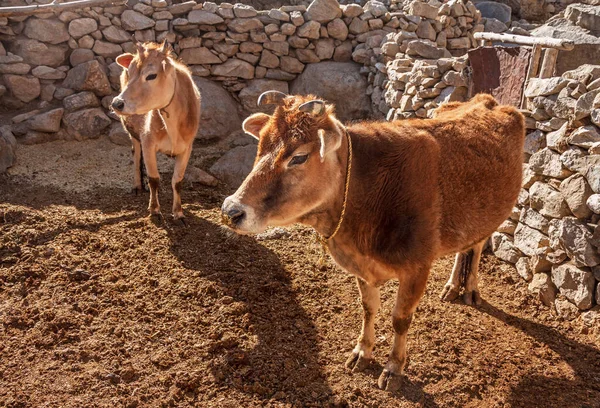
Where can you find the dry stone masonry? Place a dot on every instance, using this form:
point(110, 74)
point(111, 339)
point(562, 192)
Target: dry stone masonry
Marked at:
point(65, 63)
point(552, 236)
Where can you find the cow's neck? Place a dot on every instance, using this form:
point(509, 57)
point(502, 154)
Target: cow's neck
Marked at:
point(326, 217)
point(171, 112)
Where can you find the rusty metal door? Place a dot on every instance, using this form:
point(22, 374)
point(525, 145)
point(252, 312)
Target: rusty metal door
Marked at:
point(499, 71)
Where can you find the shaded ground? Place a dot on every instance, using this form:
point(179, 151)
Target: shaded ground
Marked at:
point(100, 306)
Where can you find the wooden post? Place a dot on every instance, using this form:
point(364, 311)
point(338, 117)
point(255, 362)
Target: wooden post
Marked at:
point(548, 63)
point(56, 7)
point(534, 64)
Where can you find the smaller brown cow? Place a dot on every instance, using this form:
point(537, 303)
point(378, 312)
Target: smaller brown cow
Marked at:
point(388, 197)
point(159, 105)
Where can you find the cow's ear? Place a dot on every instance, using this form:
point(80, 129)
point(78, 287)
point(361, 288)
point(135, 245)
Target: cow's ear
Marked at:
point(124, 60)
point(331, 140)
point(254, 123)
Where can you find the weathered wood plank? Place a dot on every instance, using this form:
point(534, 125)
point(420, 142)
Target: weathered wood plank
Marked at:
point(549, 63)
point(556, 43)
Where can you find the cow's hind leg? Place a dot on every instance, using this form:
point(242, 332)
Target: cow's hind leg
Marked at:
point(410, 291)
point(361, 355)
point(452, 289)
point(464, 273)
point(470, 280)
point(181, 162)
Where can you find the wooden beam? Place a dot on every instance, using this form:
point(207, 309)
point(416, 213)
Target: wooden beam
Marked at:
point(548, 63)
point(56, 7)
point(532, 69)
point(546, 42)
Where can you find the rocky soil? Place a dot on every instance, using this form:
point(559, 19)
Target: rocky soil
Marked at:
point(102, 306)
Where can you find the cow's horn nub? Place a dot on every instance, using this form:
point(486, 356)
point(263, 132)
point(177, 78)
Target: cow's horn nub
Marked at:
point(315, 108)
point(271, 98)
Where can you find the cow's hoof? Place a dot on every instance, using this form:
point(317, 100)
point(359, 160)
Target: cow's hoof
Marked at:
point(156, 218)
point(357, 362)
point(472, 298)
point(389, 381)
point(449, 293)
point(180, 221)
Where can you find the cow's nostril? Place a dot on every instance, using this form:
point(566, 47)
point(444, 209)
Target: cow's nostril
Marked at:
point(236, 215)
point(118, 104)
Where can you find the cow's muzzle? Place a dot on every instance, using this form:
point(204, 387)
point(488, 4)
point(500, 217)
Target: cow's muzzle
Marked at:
point(118, 104)
point(232, 213)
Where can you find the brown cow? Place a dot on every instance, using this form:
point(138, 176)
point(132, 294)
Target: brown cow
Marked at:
point(416, 190)
point(159, 105)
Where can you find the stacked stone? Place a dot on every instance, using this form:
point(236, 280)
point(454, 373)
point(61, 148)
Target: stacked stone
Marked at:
point(553, 235)
point(49, 58)
point(414, 88)
point(411, 70)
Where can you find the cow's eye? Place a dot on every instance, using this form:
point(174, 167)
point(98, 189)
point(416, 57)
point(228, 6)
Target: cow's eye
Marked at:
point(301, 158)
point(151, 77)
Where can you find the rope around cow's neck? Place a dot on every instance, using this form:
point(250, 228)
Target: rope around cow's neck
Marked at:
point(164, 108)
point(323, 240)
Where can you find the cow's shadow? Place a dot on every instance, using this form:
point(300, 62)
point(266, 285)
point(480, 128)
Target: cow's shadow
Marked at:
point(583, 359)
point(283, 363)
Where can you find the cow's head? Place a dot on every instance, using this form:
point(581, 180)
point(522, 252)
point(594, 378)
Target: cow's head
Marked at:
point(297, 169)
point(147, 81)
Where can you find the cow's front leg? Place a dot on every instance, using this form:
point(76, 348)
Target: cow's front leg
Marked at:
point(149, 152)
point(181, 162)
point(136, 149)
point(410, 291)
point(361, 355)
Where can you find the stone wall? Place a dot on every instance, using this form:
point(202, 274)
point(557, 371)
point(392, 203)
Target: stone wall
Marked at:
point(552, 236)
point(414, 70)
point(66, 62)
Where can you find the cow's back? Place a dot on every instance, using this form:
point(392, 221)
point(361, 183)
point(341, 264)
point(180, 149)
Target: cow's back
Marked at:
point(481, 157)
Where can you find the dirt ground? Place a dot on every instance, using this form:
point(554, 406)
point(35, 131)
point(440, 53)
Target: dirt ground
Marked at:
point(101, 306)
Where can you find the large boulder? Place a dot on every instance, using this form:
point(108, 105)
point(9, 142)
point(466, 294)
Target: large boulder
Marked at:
point(249, 95)
point(82, 26)
point(234, 68)
point(235, 165)
point(492, 9)
point(23, 88)
point(541, 285)
point(132, 21)
point(504, 248)
point(8, 144)
point(219, 111)
point(46, 30)
point(204, 17)
point(340, 83)
point(584, 16)
point(80, 101)
point(576, 191)
point(35, 52)
point(576, 284)
point(115, 34)
point(47, 121)
point(88, 76)
point(587, 46)
point(323, 11)
point(87, 123)
point(573, 236)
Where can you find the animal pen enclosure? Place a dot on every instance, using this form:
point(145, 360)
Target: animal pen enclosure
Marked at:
point(102, 306)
